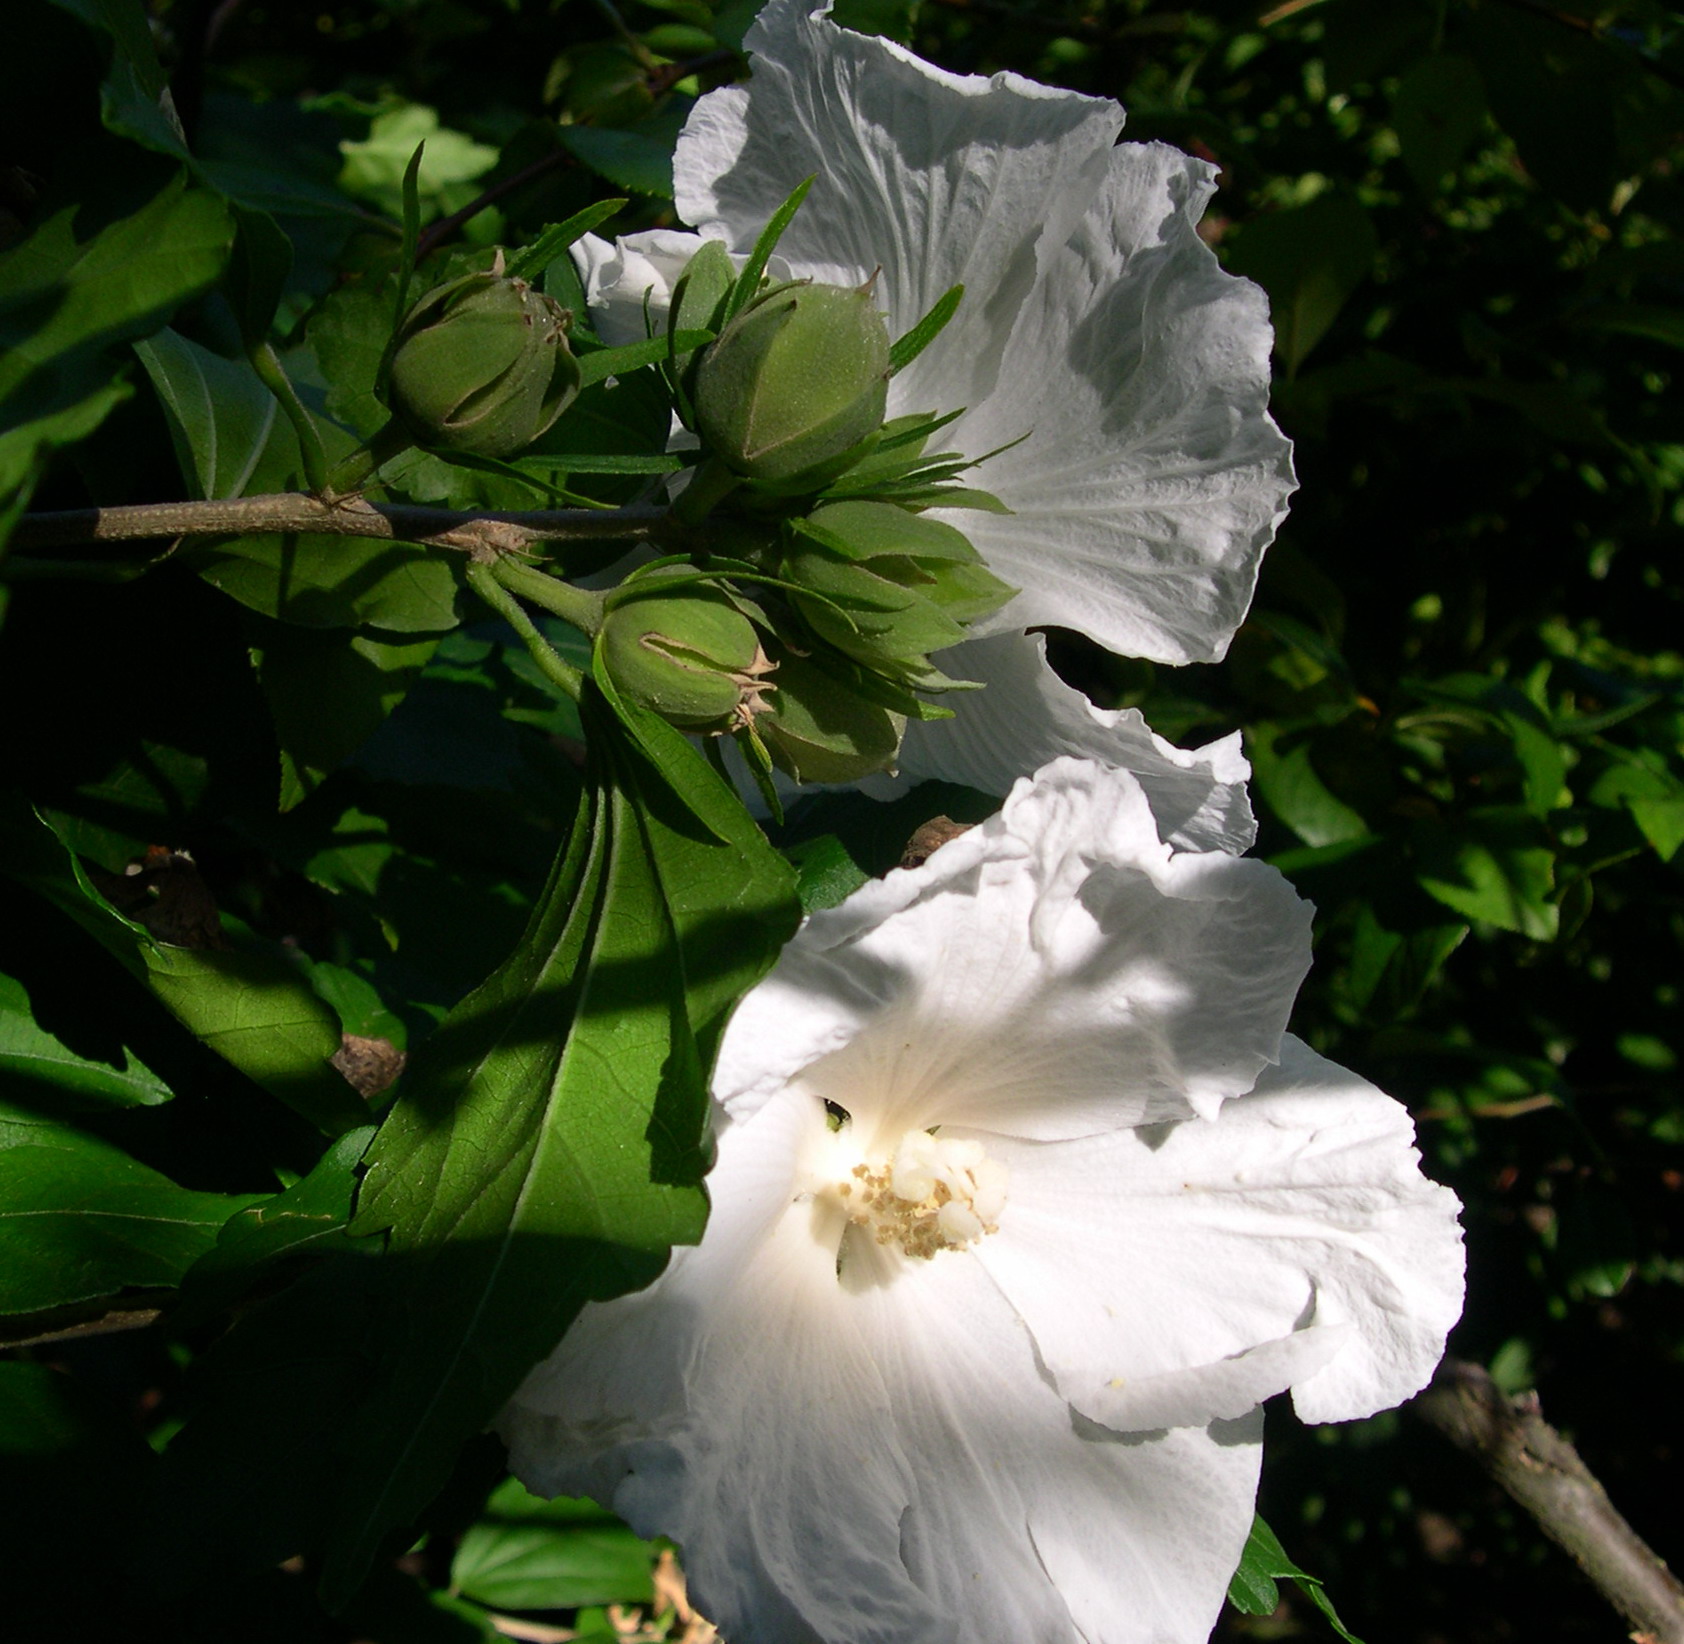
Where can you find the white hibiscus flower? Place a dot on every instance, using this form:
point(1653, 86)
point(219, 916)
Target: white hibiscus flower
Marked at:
point(1095, 322)
point(1024, 1203)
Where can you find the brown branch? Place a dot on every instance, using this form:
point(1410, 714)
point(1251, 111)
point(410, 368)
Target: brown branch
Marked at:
point(435, 234)
point(483, 535)
point(1510, 1439)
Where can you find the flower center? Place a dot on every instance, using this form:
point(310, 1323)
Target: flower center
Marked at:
point(934, 1193)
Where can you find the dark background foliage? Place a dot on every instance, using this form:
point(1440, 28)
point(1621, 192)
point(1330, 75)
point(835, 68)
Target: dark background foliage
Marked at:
point(1462, 689)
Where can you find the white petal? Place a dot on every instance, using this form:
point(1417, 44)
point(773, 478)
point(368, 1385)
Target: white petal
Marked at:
point(1152, 478)
point(1053, 972)
point(1096, 323)
point(735, 1407)
point(629, 284)
point(1026, 716)
point(1030, 1524)
point(1292, 1241)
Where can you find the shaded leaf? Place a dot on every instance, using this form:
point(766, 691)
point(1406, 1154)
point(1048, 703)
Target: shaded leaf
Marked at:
point(1309, 259)
point(219, 412)
point(79, 1219)
point(547, 1145)
point(252, 1009)
point(1498, 865)
point(336, 582)
point(29, 1055)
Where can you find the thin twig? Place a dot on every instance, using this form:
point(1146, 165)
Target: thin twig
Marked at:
point(484, 535)
point(435, 234)
point(1510, 1439)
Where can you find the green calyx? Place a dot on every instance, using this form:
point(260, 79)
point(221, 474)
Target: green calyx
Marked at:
point(481, 365)
point(886, 587)
point(796, 385)
point(689, 652)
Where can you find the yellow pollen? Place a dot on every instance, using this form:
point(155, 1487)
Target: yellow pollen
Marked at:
point(933, 1194)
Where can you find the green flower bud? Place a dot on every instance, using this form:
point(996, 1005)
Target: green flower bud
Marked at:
point(482, 365)
point(690, 654)
point(886, 586)
point(819, 730)
point(794, 384)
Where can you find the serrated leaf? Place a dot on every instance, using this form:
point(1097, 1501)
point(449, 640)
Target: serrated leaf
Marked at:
point(31, 1056)
point(219, 412)
point(548, 1143)
point(79, 1219)
point(1254, 1591)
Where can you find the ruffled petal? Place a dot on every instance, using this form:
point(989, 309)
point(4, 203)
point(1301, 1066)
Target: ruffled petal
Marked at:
point(1152, 477)
point(1056, 971)
point(1292, 1241)
point(1026, 716)
point(1098, 330)
point(628, 284)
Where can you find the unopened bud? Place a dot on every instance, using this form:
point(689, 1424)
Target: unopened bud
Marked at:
point(690, 654)
point(818, 729)
point(887, 587)
point(794, 383)
point(482, 366)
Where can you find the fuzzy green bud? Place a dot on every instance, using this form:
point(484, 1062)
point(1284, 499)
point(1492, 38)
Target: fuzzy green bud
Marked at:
point(794, 384)
point(482, 366)
point(690, 654)
point(887, 587)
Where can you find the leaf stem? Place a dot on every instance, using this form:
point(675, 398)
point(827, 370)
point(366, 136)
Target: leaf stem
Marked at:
point(485, 582)
point(267, 364)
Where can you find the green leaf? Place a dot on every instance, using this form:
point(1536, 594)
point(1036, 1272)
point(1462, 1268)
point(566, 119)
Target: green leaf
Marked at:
point(531, 1554)
point(548, 1143)
point(530, 263)
point(1281, 764)
point(1497, 865)
point(134, 96)
point(219, 412)
point(748, 279)
point(636, 158)
point(907, 348)
point(374, 168)
point(257, 272)
point(1438, 111)
point(336, 582)
point(31, 1056)
point(79, 1219)
point(310, 1218)
point(328, 691)
point(614, 362)
point(252, 1009)
point(1253, 1590)
point(1310, 259)
point(93, 276)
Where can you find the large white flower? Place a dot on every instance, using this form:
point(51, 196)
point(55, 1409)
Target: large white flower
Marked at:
point(1097, 330)
point(1024, 1203)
